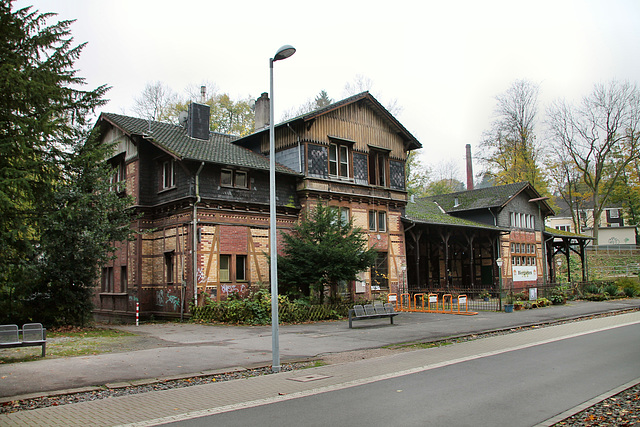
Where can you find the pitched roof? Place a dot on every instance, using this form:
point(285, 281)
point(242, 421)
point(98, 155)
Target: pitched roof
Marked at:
point(411, 142)
point(174, 140)
point(428, 212)
point(483, 198)
point(566, 234)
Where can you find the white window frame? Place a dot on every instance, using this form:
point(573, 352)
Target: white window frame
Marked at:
point(168, 174)
point(340, 161)
point(382, 221)
point(373, 225)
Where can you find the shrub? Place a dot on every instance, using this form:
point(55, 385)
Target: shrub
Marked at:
point(611, 289)
point(630, 287)
point(543, 302)
point(596, 297)
point(256, 310)
point(559, 294)
point(521, 296)
point(592, 288)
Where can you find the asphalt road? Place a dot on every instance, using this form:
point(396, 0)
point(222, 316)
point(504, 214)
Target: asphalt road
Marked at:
point(516, 388)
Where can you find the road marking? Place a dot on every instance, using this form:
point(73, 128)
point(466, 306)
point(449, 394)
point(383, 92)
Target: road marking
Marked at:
point(372, 379)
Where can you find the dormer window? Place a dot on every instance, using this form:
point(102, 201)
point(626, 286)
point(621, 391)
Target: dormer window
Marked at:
point(168, 174)
point(456, 202)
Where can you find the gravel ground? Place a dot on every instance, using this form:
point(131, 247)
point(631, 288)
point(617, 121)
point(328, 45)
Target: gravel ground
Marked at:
point(622, 409)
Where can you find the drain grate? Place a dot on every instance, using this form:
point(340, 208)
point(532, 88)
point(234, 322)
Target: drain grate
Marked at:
point(308, 378)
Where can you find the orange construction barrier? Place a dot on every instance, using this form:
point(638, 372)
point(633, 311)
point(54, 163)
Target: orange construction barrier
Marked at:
point(415, 302)
point(433, 303)
point(433, 299)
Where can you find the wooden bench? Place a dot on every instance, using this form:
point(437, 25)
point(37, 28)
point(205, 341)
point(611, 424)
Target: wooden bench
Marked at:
point(32, 334)
point(370, 311)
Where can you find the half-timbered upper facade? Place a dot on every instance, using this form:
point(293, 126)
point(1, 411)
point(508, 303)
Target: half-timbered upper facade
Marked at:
point(204, 201)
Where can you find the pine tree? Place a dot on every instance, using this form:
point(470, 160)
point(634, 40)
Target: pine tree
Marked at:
point(322, 250)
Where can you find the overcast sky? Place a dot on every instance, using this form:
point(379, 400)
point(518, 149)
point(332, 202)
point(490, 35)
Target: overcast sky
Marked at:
point(442, 61)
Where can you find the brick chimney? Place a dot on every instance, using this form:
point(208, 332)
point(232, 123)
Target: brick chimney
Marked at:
point(262, 112)
point(198, 121)
point(469, 169)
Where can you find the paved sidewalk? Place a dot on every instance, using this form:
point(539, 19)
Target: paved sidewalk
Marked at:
point(186, 403)
point(192, 349)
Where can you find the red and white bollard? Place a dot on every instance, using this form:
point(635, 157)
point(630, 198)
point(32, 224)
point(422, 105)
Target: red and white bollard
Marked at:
point(137, 313)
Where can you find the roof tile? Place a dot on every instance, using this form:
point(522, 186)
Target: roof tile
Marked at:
point(174, 139)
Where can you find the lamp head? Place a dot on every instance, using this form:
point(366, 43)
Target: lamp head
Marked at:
point(284, 52)
point(499, 262)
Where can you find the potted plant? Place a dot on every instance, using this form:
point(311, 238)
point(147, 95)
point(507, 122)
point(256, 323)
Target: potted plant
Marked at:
point(508, 306)
point(518, 305)
point(485, 295)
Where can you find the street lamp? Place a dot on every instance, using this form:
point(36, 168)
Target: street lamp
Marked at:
point(499, 263)
point(283, 53)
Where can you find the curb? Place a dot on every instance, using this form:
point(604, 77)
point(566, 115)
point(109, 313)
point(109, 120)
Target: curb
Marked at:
point(235, 369)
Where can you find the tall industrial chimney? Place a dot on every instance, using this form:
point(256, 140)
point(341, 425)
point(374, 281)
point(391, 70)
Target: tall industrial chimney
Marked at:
point(469, 169)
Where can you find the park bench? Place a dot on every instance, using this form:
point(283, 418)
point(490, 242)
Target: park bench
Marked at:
point(370, 311)
point(31, 334)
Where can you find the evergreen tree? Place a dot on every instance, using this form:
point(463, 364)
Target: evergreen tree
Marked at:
point(322, 250)
point(322, 100)
point(51, 201)
point(87, 216)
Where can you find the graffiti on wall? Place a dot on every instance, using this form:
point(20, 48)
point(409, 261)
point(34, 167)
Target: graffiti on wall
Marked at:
point(173, 300)
point(227, 289)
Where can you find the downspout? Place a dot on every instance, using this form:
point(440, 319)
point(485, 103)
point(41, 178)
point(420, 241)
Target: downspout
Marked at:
point(495, 219)
point(299, 147)
point(194, 249)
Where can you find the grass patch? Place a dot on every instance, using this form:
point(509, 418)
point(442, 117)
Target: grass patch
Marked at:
point(315, 364)
point(70, 342)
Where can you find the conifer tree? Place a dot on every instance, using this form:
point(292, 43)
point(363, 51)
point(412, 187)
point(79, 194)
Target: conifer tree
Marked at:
point(49, 178)
point(322, 250)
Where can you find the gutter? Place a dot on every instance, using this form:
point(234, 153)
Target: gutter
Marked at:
point(194, 248)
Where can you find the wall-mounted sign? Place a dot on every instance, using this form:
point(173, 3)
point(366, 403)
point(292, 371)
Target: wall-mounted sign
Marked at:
point(525, 273)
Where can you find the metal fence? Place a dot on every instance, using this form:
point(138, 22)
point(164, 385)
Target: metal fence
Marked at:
point(614, 249)
point(491, 300)
point(624, 270)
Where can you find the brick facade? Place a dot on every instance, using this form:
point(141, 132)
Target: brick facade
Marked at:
point(176, 261)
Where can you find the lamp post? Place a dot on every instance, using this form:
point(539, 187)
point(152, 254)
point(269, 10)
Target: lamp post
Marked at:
point(282, 53)
point(499, 263)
